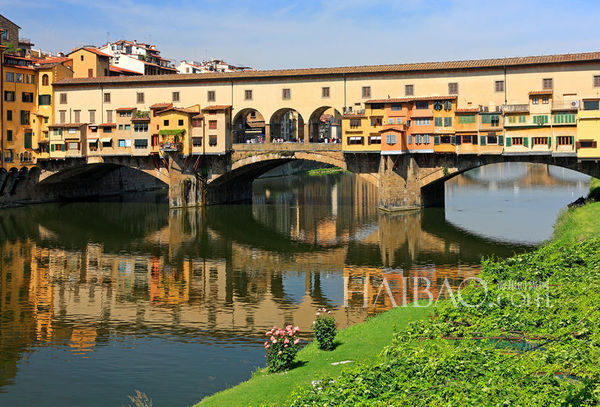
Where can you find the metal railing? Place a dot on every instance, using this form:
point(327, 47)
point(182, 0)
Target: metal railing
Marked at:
point(515, 108)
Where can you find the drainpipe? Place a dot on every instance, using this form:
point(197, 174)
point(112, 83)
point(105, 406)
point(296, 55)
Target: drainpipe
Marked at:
point(344, 76)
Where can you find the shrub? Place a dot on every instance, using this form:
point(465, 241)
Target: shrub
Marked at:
point(281, 348)
point(324, 329)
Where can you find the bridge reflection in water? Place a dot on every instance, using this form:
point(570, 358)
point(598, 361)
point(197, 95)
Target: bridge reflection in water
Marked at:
point(79, 274)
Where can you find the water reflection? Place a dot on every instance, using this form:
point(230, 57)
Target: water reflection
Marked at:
point(81, 277)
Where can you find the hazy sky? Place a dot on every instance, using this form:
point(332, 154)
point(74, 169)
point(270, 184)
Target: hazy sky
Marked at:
point(296, 34)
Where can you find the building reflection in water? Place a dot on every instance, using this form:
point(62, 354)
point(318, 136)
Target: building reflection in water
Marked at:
point(75, 275)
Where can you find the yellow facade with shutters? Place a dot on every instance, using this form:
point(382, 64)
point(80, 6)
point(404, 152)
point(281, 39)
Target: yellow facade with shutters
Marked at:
point(588, 130)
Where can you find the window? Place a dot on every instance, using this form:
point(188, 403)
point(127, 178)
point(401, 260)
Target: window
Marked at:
point(596, 81)
point(140, 127)
point(9, 96)
point(107, 97)
point(468, 139)
point(175, 96)
point(564, 140)
point(396, 107)
point(547, 83)
point(9, 134)
point(587, 105)
point(390, 139)
point(122, 143)
point(212, 140)
point(398, 120)
point(109, 116)
point(499, 86)
point(438, 121)
point(27, 97)
point(210, 95)
point(10, 77)
point(77, 116)
point(542, 119)
point(180, 122)
point(492, 138)
point(24, 117)
point(586, 144)
point(409, 90)
point(354, 123)
point(447, 121)
point(140, 143)
point(377, 106)
point(120, 127)
point(495, 120)
point(140, 97)
point(247, 94)
point(517, 141)
point(92, 116)
point(545, 100)
point(63, 98)
point(196, 122)
point(409, 139)
point(165, 122)
point(422, 105)
point(19, 78)
point(376, 121)
point(560, 118)
point(366, 91)
point(72, 146)
point(212, 124)
point(57, 132)
point(8, 115)
point(536, 141)
point(466, 119)
point(286, 94)
point(45, 99)
point(196, 142)
point(421, 122)
point(453, 88)
point(375, 139)
point(522, 119)
point(127, 127)
point(354, 140)
point(45, 80)
point(325, 92)
point(90, 72)
point(81, 57)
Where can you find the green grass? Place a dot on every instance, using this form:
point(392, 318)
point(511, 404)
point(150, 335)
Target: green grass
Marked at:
point(325, 171)
point(577, 224)
point(359, 343)
point(594, 193)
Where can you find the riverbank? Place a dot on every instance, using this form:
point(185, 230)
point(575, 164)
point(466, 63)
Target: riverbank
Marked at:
point(358, 343)
point(465, 349)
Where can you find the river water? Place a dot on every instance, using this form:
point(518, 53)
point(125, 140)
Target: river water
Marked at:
point(98, 300)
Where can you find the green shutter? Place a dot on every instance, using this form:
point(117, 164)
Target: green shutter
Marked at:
point(27, 140)
point(485, 118)
point(483, 140)
point(453, 140)
point(51, 147)
point(508, 141)
point(63, 147)
point(526, 141)
point(438, 122)
point(500, 140)
point(522, 119)
point(549, 141)
point(447, 121)
point(436, 140)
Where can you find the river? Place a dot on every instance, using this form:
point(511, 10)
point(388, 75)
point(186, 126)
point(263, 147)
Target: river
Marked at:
point(99, 299)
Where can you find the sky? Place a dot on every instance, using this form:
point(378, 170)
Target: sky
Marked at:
point(316, 33)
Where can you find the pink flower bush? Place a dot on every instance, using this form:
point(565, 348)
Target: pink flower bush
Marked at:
point(325, 329)
point(281, 347)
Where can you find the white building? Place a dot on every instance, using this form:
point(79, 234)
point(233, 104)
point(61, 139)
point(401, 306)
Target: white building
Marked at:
point(138, 57)
point(214, 65)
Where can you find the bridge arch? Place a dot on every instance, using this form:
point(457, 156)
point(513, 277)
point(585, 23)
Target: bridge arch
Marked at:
point(324, 123)
point(286, 125)
point(248, 126)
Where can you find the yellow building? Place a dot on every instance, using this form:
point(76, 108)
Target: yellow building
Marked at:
point(361, 130)
point(19, 102)
point(588, 129)
point(444, 138)
point(175, 128)
point(89, 63)
point(49, 71)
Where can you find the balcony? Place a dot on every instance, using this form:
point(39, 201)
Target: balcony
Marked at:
point(171, 146)
point(523, 108)
point(565, 105)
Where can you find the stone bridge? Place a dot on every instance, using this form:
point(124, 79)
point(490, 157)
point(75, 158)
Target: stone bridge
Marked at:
point(407, 181)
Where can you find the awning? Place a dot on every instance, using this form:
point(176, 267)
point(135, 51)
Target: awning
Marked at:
point(140, 143)
point(72, 138)
point(355, 138)
point(92, 140)
point(106, 139)
point(375, 138)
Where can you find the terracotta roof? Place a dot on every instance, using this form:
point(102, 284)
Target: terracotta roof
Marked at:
point(198, 116)
point(540, 92)
point(394, 127)
point(122, 70)
point(412, 99)
point(140, 119)
point(161, 105)
point(216, 107)
point(497, 63)
point(92, 50)
point(71, 125)
point(467, 110)
point(108, 125)
point(125, 109)
point(53, 60)
point(178, 109)
point(354, 116)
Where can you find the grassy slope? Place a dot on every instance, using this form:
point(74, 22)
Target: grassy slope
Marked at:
point(577, 224)
point(361, 342)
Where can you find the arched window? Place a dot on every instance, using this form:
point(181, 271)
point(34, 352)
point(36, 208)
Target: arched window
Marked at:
point(45, 80)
